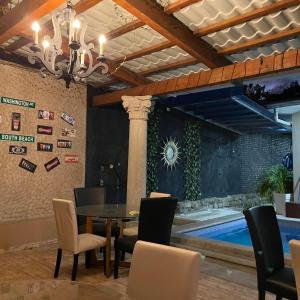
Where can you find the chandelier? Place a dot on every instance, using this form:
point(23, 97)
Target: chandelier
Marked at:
point(72, 61)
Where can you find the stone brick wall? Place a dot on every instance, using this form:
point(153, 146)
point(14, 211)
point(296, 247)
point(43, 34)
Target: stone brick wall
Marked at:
point(239, 201)
point(25, 195)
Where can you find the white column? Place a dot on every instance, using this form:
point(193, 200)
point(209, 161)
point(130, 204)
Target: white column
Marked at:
point(138, 108)
point(296, 153)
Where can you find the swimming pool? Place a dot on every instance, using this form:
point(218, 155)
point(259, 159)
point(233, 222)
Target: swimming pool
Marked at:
point(236, 232)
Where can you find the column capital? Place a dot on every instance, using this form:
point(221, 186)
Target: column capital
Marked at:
point(138, 107)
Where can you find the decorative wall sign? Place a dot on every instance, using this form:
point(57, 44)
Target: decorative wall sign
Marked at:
point(170, 153)
point(16, 122)
point(45, 115)
point(16, 138)
point(69, 119)
point(27, 165)
point(68, 132)
point(44, 130)
point(17, 102)
point(53, 163)
point(71, 158)
point(64, 144)
point(45, 147)
point(19, 150)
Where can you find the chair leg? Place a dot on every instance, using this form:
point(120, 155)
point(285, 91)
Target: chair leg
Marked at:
point(261, 295)
point(104, 259)
point(88, 259)
point(58, 260)
point(122, 255)
point(117, 263)
point(75, 264)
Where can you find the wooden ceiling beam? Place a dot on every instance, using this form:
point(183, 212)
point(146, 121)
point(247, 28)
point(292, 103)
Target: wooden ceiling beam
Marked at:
point(271, 64)
point(146, 51)
point(251, 15)
point(260, 41)
point(80, 7)
point(14, 22)
point(178, 5)
point(135, 24)
point(152, 14)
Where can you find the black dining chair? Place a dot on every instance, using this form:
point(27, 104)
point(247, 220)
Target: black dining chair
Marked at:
point(93, 196)
point(155, 225)
point(272, 275)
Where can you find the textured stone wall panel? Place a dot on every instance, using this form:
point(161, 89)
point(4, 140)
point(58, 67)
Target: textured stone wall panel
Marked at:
point(25, 195)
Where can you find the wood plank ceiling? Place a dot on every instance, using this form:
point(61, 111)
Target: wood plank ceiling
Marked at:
point(159, 40)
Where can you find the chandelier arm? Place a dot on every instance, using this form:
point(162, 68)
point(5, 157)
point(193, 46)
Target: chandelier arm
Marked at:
point(100, 65)
point(39, 56)
point(56, 41)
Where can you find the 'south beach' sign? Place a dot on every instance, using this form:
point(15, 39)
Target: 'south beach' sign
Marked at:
point(16, 138)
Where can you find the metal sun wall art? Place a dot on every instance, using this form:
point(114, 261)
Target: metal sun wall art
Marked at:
point(170, 153)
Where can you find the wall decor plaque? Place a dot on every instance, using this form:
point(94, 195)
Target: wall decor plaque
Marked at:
point(68, 132)
point(67, 118)
point(16, 121)
point(16, 138)
point(12, 101)
point(53, 163)
point(19, 150)
point(44, 130)
point(45, 115)
point(64, 144)
point(44, 147)
point(27, 165)
point(71, 158)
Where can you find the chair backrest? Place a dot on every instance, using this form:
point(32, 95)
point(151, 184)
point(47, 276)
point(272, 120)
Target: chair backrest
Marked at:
point(266, 240)
point(66, 225)
point(162, 272)
point(159, 195)
point(155, 220)
point(89, 196)
point(295, 253)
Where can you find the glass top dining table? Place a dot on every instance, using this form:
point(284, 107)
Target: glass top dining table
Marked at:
point(109, 212)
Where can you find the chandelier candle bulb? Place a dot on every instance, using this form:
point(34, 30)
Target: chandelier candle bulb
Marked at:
point(76, 25)
point(102, 40)
point(45, 44)
point(82, 57)
point(36, 28)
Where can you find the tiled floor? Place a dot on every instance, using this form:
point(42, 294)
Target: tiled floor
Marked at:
point(218, 280)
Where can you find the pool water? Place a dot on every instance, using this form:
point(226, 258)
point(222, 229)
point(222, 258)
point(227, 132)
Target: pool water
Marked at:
point(236, 232)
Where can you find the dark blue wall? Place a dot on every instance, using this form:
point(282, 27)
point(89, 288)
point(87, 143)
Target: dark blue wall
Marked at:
point(230, 163)
point(107, 146)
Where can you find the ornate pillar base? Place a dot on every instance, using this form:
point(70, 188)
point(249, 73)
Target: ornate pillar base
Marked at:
point(138, 108)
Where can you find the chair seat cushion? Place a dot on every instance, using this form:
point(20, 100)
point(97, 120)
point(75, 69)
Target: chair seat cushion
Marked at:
point(126, 243)
point(99, 229)
point(89, 241)
point(282, 282)
point(130, 231)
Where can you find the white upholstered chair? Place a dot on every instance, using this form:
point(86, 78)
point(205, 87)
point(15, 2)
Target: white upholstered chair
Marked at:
point(167, 273)
point(132, 228)
point(68, 237)
point(295, 253)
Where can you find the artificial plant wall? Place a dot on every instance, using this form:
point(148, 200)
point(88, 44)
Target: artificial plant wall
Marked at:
point(192, 159)
point(190, 154)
